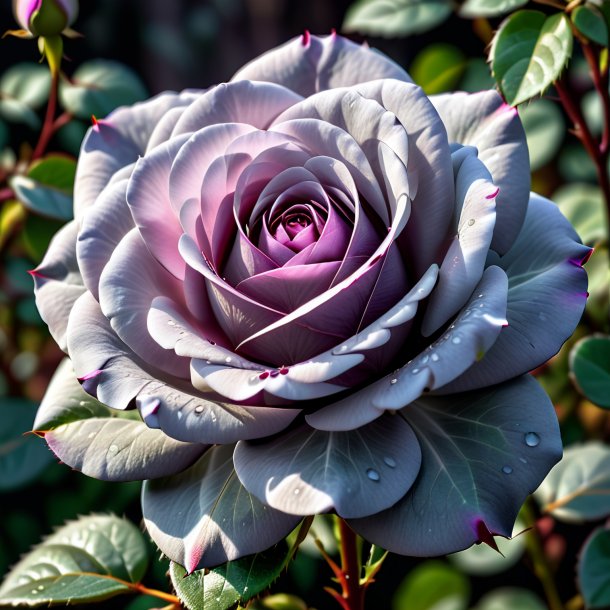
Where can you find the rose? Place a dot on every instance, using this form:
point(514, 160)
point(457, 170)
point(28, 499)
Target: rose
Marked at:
point(322, 290)
point(45, 17)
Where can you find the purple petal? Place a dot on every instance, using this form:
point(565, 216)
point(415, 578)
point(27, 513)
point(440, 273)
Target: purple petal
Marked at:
point(483, 120)
point(58, 283)
point(306, 471)
point(476, 468)
point(308, 64)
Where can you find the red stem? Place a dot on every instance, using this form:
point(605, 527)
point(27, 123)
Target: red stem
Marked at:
point(47, 127)
point(353, 591)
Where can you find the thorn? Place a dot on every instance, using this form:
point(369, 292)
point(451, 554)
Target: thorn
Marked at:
point(485, 536)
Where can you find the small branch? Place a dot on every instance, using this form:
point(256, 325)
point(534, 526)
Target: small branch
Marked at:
point(542, 569)
point(552, 3)
point(168, 597)
point(47, 127)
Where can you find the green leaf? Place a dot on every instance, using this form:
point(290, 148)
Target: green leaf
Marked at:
point(47, 188)
point(593, 570)
point(91, 559)
point(528, 53)
point(590, 368)
point(482, 560)
point(578, 488)
point(71, 135)
point(231, 583)
point(23, 89)
point(98, 87)
point(477, 76)
point(510, 597)
point(489, 8)
point(590, 22)
point(22, 458)
point(55, 170)
point(432, 585)
point(592, 110)
point(583, 205)
point(438, 68)
point(395, 17)
point(37, 233)
point(544, 129)
point(599, 285)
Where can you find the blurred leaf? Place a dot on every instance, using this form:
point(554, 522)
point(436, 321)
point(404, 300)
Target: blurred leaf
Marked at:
point(231, 583)
point(482, 560)
point(88, 560)
point(544, 128)
point(528, 53)
point(575, 165)
point(593, 570)
point(583, 205)
point(55, 170)
point(592, 111)
point(11, 216)
point(432, 585)
point(489, 8)
point(590, 368)
point(513, 598)
point(47, 188)
point(438, 68)
point(395, 17)
point(279, 601)
point(578, 488)
point(98, 87)
point(23, 89)
point(3, 134)
point(477, 76)
point(590, 22)
point(71, 135)
point(22, 458)
point(36, 234)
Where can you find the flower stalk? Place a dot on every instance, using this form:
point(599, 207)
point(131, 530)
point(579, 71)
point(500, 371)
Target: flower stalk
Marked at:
point(49, 125)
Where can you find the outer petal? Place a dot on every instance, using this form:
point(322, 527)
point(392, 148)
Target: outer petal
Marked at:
point(308, 64)
point(307, 471)
point(116, 142)
point(204, 516)
point(102, 228)
point(483, 120)
point(58, 283)
point(547, 292)
point(477, 468)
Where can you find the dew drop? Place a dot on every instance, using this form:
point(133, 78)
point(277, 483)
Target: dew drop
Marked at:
point(480, 295)
point(208, 362)
point(343, 348)
point(113, 449)
point(389, 462)
point(523, 460)
point(297, 491)
point(425, 359)
point(506, 469)
point(40, 587)
point(346, 576)
point(34, 591)
point(372, 474)
point(415, 371)
point(456, 340)
point(532, 439)
point(228, 359)
point(435, 357)
point(393, 381)
point(91, 435)
point(482, 305)
point(199, 409)
point(82, 403)
point(471, 222)
point(171, 323)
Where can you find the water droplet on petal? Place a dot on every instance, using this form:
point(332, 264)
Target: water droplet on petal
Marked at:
point(532, 439)
point(456, 340)
point(390, 462)
point(415, 371)
point(425, 359)
point(34, 591)
point(471, 222)
point(40, 587)
point(199, 409)
point(82, 403)
point(297, 491)
point(113, 449)
point(393, 381)
point(228, 359)
point(506, 469)
point(372, 474)
point(435, 357)
point(171, 323)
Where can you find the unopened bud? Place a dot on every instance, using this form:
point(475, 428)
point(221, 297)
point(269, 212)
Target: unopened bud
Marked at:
point(45, 17)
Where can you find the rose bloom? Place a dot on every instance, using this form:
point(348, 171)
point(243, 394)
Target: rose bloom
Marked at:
point(321, 290)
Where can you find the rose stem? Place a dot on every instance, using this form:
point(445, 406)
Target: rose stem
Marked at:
point(535, 550)
point(47, 127)
point(351, 566)
point(598, 151)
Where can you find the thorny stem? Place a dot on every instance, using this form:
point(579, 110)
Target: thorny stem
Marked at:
point(542, 569)
point(48, 125)
point(597, 151)
point(351, 567)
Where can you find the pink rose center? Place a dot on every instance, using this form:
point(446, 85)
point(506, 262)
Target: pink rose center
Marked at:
point(298, 225)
